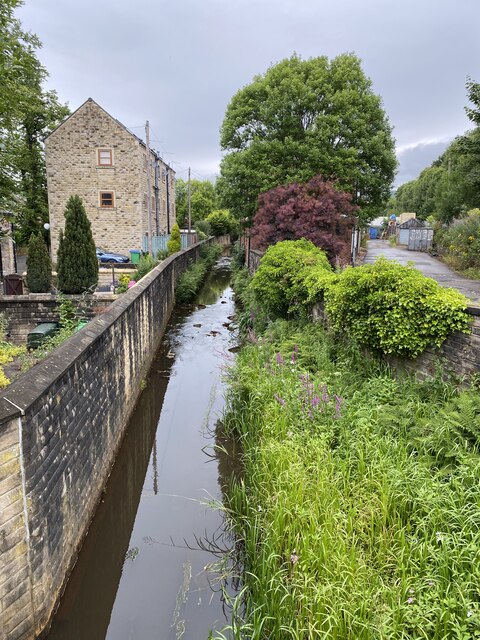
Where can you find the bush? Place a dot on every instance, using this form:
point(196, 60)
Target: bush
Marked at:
point(394, 309)
point(146, 264)
point(460, 243)
point(39, 265)
point(279, 282)
point(202, 227)
point(77, 264)
point(175, 242)
point(221, 222)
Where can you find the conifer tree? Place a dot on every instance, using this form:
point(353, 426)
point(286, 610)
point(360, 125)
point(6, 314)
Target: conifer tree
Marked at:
point(77, 264)
point(39, 265)
point(175, 242)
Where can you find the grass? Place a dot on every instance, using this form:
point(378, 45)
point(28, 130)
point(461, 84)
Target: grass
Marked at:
point(190, 282)
point(358, 516)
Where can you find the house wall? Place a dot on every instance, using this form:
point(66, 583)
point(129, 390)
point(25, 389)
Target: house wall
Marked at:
point(72, 168)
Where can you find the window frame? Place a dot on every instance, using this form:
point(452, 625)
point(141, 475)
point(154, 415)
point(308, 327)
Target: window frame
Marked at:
point(104, 164)
point(106, 206)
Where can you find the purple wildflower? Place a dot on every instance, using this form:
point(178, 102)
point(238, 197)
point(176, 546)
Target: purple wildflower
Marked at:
point(315, 400)
point(338, 404)
point(294, 557)
point(293, 358)
point(325, 396)
point(279, 400)
point(280, 360)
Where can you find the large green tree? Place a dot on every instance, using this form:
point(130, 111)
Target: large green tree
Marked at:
point(302, 118)
point(203, 199)
point(27, 114)
point(77, 263)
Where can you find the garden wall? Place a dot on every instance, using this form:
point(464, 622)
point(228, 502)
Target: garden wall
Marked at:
point(23, 313)
point(459, 354)
point(61, 425)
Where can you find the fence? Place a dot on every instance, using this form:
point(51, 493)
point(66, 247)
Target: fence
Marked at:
point(159, 243)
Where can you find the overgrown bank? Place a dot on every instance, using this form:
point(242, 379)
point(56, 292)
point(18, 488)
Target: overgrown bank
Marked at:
point(358, 515)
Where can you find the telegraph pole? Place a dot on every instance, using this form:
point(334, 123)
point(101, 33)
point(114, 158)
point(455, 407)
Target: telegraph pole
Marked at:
point(189, 210)
point(149, 189)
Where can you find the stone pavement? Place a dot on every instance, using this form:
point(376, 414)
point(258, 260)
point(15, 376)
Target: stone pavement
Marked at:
point(427, 264)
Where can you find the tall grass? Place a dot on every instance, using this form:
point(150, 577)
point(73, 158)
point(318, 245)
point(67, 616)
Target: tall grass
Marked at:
point(358, 514)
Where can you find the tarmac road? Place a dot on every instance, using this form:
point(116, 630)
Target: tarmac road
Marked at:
point(427, 264)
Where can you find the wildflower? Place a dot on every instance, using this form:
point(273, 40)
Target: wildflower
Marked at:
point(315, 400)
point(411, 591)
point(279, 400)
point(279, 358)
point(338, 404)
point(294, 557)
point(259, 509)
point(293, 358)
point(469, 614)
point(325, 396)
point(289, 434)
point(439, 536)
point(131, 284)
point(410, 600)
point(251, 336)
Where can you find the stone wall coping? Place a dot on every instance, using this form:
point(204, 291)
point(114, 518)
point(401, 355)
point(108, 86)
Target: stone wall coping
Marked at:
point(52, 297)
point(22, 393)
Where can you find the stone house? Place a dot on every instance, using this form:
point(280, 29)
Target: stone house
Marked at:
point(93, 155)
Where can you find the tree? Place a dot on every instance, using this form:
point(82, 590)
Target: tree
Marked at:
point(315, 210)
point(175, 242)
point(77, 264)
point(302, 118)
point(221, 222)
point(27, 113)
point(203, 200)
point(39, 265)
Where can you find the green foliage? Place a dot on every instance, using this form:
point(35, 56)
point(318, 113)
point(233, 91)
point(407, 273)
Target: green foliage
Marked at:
point(175, 242)
point(146, 264)
point(203, 200)
point(356, 515)
point(162, 254)
point(77, 264)
point(394, 309)
point(203, 229)
point(190, 282)
point(302, 118)
point(278, 284)
point(460, 243)
point(39, 265)
point(238, 256)
point(452, 184)
point(221, 222)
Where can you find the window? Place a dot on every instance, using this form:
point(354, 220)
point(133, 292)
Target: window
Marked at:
point(106, 200)
point(105, 157)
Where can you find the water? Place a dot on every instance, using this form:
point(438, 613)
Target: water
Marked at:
point(144, 571)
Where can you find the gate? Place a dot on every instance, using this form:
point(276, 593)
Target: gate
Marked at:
point(420, 239)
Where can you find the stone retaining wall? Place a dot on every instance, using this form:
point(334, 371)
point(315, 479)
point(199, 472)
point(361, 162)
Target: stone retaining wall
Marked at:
point(61, 425)
point(23, 313)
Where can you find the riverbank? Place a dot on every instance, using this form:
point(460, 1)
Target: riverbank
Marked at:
point(358, 511)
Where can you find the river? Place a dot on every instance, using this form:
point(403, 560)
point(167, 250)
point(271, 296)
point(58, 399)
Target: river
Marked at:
point(145, 570)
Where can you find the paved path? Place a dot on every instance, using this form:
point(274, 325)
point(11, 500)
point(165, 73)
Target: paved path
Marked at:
point(427, 264)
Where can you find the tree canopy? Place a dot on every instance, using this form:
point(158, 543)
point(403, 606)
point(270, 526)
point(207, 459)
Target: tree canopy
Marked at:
point(27, 114)
point(203, 200)
point(315, 210)
point(451, 185)
point(302, 118)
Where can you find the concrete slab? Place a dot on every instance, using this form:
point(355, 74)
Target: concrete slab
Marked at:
point(427, 264)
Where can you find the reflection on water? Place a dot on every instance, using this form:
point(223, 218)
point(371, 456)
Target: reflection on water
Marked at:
point(145, 569)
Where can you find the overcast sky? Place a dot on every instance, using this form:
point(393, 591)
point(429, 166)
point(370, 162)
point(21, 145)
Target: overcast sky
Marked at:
point(178, 63)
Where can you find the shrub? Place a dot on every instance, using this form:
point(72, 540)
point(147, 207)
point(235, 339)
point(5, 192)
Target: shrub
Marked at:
point(175, 242)
point(460, 243)
point(162, 254)
point(77, 264)
point(146, 264)
point(221, 222)
point(393, 308)
point(278, 283)
point(190, 281)
point(39, 265)
point(202, 227)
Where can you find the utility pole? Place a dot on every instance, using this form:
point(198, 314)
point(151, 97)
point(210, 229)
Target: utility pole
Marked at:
point(167, 187)
point(189, 210)
point(149, 188)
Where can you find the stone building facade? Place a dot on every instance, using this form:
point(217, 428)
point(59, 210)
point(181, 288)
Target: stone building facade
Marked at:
point(94, 156)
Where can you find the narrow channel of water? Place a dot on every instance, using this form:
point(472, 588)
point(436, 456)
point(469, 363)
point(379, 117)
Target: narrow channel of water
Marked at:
point(143, 572)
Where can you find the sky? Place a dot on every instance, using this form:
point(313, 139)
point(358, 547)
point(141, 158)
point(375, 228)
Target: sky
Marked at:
point(179, 63)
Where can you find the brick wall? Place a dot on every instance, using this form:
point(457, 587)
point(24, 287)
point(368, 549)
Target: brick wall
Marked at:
point(72, 410)
point(23, 313)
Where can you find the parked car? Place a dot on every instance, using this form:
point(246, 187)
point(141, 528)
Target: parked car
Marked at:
point(106, 256)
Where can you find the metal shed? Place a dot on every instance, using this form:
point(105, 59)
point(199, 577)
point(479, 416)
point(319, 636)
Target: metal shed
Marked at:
point(415, 234)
